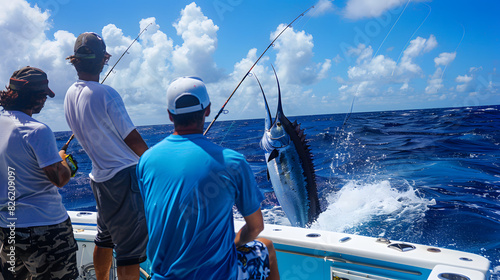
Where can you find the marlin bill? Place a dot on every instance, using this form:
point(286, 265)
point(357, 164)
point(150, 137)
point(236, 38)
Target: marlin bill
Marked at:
point(289, 166)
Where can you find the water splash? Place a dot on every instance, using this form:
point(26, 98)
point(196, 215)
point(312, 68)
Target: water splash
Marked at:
point(358, 203)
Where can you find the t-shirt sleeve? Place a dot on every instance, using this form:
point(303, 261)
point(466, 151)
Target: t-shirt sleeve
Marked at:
point(43, 143)
point(118, 114)
point(248, 196)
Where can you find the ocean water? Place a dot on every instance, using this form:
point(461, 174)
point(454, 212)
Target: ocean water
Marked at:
point(423, 176)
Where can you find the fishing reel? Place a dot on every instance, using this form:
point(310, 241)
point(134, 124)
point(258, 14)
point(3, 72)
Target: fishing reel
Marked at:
point(73, 164)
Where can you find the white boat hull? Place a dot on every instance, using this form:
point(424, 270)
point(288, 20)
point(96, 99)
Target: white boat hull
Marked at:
point(322, 255)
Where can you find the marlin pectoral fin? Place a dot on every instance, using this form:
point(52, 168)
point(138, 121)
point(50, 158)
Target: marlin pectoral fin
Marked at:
point(274, 154)
point(268, 176)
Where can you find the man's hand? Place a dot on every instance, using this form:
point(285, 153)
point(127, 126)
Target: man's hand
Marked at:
point(59, 173)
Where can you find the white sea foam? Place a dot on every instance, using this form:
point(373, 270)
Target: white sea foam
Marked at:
point(357, 203)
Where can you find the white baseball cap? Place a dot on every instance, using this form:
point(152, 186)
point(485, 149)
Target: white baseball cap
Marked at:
point(188, 87)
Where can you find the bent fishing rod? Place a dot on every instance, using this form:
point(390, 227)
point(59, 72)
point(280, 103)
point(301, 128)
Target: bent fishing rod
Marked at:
point(65, 147)
point(248, 72)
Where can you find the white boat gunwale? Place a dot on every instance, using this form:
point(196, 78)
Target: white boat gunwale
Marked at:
point(340, 254)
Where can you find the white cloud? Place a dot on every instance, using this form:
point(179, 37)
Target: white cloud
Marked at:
point(147, 60)
point(373, 76)
point(147, 68)
point(195, 56)
point(463, 79)
point(420, 45)
point(357, 9)
point(417, 47)
point(294, 58)
point(435, 83)
point(22, 29)
point(445, 58)
point(465, 82)
point(322, 7)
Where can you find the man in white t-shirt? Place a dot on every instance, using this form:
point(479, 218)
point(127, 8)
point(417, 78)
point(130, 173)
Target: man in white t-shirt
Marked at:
point(97, 116)
point(36, 236)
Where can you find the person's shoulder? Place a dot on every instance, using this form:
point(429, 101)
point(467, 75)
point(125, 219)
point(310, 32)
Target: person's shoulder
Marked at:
point(41, 127)
point(109, 92)
point(233, 155)
point(163, 144)
point(106, 88)
point(29, 121)
point(153, 152)
point(38, 129)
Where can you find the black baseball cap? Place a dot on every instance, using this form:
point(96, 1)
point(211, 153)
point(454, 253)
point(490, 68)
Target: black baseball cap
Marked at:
point(90, 41)
point(30, 79)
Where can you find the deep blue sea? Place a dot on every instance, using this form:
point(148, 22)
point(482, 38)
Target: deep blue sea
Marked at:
point(423, 176)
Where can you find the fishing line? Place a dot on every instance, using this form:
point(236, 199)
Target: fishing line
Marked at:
point(227, 132)
point(248, 72)
point(404, 48)
point(126, 51)
point(463, 35)
point(233, 122)
point(336, 136)
point(392, 28)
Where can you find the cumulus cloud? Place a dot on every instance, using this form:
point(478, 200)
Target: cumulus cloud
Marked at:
point(368, 67)
point(148, 60)
point(435, 83)
point(322, 7)
point(24, 42)
point(147, 68)
point(463, 79)
point(467, 83)
point(417, 47)
point(199, 33)
point(371, 76)
point(445, 58)
point(295, 57)
point(357, 9)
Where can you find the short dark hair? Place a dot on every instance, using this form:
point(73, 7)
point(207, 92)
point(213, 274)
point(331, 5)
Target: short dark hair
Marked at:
point(20, 100)
point(91, 66)
point(188, 118)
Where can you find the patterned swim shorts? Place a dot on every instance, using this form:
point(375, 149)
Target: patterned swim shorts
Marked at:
point(253, 261)
point(42, 252)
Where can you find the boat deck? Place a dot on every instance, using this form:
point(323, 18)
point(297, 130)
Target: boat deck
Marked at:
point(323, 255)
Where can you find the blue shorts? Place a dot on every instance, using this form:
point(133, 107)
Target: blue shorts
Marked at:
point(253, 261)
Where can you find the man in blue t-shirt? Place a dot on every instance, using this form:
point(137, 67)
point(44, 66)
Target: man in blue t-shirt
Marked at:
point(189, 186)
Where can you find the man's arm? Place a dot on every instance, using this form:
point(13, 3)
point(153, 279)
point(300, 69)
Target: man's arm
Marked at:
point(59, 173)
point(254, 225)
point(136, 143)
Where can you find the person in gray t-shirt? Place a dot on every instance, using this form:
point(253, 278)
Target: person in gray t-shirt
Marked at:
point(36, 236)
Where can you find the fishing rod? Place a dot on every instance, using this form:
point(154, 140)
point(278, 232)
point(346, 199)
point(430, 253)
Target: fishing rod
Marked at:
point(136, 38)
point(65, 147)
point(248, 72)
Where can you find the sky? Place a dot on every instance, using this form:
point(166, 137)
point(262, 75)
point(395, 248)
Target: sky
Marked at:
point(377, 55)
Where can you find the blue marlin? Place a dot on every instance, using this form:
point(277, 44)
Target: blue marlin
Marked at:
point(289, 166)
